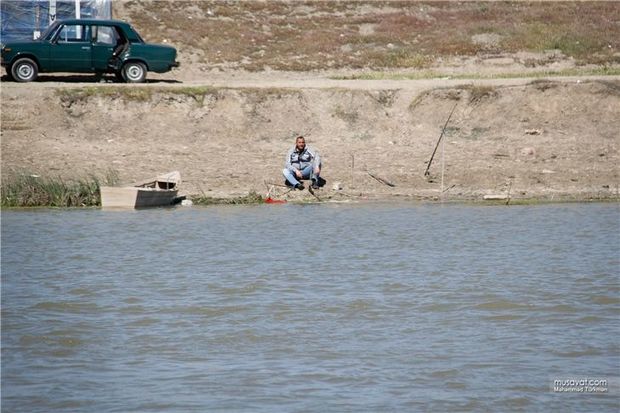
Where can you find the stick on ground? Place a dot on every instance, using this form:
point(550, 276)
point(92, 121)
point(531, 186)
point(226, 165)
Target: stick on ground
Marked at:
point(379, 179)
point(313, 194)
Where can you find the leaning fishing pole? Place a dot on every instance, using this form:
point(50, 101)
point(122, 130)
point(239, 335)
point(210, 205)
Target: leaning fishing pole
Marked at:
point(443, 130)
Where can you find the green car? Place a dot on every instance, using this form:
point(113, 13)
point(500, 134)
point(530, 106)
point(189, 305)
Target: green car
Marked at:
point(88, 46)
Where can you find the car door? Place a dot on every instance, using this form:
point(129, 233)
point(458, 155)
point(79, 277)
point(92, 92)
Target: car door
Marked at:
point(105, 39)
point(71, 50)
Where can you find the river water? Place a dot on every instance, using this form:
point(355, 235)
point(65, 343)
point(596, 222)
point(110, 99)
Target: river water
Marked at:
point(313, 308)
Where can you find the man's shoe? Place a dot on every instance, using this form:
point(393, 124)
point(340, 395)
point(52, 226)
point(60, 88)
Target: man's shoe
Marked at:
point(300, 187)
point(315, 184)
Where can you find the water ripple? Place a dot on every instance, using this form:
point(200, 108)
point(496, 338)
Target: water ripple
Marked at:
point(309, 308)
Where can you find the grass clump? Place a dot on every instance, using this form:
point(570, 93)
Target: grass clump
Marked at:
point(72, 95)
point(576, 71)
point(31, 190)
point(197, 93)
point(132, 94)
point(480, 92)
point(399, 59)
point(249, 199)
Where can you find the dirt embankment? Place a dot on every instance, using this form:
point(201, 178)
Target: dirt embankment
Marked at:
point(542, 139)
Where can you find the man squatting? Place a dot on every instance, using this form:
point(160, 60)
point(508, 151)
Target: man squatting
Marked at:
point(302, 162)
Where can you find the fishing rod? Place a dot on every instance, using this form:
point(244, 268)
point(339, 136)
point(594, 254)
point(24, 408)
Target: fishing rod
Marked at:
point(443, 130)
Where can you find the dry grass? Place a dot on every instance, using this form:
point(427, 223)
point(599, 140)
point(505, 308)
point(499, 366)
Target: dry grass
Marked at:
point(478, 93)
point(251, 198)
point(14, 122)
point(69, 96)
point(429, 74)
point(306, 35)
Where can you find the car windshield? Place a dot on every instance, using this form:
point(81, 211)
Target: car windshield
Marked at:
point(51, 29)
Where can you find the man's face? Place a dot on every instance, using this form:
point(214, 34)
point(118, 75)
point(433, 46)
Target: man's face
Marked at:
point(300, 144)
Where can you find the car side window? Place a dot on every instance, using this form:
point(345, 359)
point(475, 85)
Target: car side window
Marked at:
point(73, 33)
point(105, 35)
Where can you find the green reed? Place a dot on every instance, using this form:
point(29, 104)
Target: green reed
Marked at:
point(31, 190)
point(251, 198)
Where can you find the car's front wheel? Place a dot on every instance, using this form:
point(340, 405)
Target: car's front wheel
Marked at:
point(24, 70)
point(134, 72)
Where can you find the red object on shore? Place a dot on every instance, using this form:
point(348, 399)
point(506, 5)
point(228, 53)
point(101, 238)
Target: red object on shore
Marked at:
point(274, 201)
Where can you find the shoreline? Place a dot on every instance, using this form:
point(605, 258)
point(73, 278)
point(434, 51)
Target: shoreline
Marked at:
point(543, 140)
point(383, 201)
point(327, 197)
point(360, 203)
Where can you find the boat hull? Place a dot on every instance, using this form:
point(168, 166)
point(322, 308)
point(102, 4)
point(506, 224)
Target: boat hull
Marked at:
point(133, 197)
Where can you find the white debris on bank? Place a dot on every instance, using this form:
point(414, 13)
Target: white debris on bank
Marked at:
point(496, 197)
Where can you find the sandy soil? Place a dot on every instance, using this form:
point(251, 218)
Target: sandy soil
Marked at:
point(552, 139)
point(227, 130)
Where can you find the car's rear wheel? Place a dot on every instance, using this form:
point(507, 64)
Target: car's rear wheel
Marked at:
point(134, 72)
point(24, 70)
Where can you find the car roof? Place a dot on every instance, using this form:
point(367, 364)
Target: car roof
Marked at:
point(93, 21)
point(128, 30)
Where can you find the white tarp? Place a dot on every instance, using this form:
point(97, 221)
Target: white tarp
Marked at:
point(22, 19)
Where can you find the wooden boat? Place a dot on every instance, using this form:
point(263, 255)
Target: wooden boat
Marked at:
point(158, 191)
